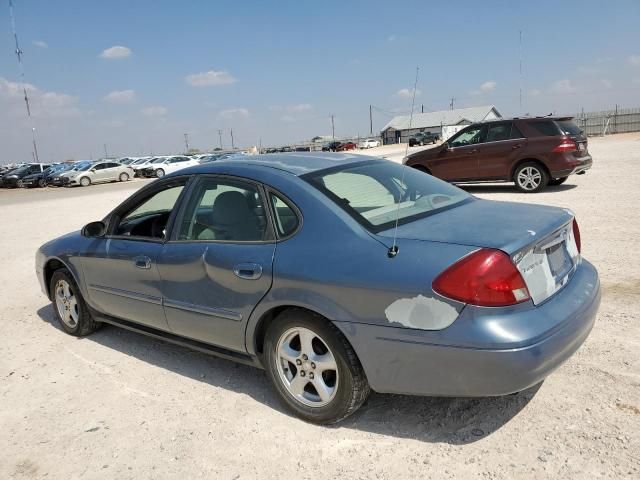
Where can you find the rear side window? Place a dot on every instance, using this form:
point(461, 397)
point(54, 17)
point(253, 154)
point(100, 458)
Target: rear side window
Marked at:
point(568, 127)
point(499, 131)
point(545, 128)
point(286, 219)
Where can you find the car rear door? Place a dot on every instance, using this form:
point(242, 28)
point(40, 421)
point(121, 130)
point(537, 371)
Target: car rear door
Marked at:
point(121, 268)
point(502, 147)
point(218, 264)
point(458, 159)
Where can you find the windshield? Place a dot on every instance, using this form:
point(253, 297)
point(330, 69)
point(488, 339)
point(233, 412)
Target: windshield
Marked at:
point(82, 167)
point(159, 160)
point(21, 170)
point(140, 160)
point(376, 192)
point(568, 127)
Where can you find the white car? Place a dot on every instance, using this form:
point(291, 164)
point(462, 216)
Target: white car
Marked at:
point(170, 165)
point(369, 143)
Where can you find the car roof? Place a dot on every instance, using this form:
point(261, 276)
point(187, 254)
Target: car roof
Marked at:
point(298, 163)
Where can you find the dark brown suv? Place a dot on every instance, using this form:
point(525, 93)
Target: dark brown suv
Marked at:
point(532, 152)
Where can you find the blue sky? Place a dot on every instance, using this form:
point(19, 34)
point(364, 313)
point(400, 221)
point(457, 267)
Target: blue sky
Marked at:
point(276, 71)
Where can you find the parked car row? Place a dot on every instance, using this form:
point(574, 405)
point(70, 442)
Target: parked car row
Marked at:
point(423, 138)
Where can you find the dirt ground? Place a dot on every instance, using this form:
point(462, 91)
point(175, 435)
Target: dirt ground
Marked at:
point(121, 405)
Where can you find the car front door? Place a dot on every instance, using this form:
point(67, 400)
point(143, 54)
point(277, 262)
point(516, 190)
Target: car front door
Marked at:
point(503, 145)
point(98, 173)
point(121, 268)
point(218, 264)
point(458, 157)
point(111, 171)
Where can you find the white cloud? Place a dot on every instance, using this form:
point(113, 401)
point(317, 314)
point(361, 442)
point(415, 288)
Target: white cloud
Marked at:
point(116, 52)
point(40, 44)
point(408, 92)
point(488, 86)
point(51, 104)
point(154, 111)
point(235, 113)
point(634, 59)
point(563, 86)
point(120, 96)
point(210, 78)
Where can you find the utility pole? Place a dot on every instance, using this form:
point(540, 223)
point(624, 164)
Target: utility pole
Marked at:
point(220, 136)
point(186, 143)
point(422, 108)
point(106, 155)
point(451, 103)
point(333, 129)
point(370, 122)
point(520, 55)
point(233, 147)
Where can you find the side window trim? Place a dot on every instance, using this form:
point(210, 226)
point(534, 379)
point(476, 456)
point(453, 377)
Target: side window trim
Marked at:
point(272, 214)
point(270, 233)
point(141, 196)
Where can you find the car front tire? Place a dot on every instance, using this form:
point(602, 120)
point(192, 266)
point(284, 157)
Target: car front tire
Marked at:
point(313, 368)
point(85, 181)
point(159, 173)
point(69, 305)
point(530, 177)
point(124, 177)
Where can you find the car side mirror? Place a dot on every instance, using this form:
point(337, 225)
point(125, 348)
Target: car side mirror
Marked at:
point(94, 230)
point(92, 170)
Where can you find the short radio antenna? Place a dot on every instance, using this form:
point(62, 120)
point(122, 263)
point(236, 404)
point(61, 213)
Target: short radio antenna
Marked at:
point(393, 250)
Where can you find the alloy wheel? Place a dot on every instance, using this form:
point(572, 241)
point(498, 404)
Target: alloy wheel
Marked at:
point(529, 178)
point(67, 304)
point(307, 367)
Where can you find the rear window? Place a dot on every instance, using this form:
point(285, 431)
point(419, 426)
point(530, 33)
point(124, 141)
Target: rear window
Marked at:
point(375, 193)
point(546, 128)
point(569, 127)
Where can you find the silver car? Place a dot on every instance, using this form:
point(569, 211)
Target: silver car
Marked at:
point(97, 173)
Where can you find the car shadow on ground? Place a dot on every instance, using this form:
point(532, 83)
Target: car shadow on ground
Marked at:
point(510, 188)
point(456, 421)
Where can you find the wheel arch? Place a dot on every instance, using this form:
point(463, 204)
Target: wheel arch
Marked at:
point(526, 160)
point(255, 337)
point(50, 267)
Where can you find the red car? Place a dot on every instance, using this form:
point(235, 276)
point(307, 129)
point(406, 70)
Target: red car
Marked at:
point(531, 152)
point(343, 147)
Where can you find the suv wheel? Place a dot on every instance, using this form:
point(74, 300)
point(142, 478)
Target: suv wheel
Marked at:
point(530, 177)
point(124, 177)
point(313, 368)
point(557, 181)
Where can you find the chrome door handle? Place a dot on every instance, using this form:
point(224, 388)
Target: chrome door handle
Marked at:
point(516, 146)
point(248, 271)
point(143, 262)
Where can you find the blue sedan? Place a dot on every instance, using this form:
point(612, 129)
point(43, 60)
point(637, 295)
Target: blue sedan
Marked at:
point(337, 274)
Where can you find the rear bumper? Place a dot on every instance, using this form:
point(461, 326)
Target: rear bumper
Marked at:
point(583, 165)
point(410, 362)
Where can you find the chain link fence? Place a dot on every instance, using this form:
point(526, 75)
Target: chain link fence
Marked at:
point(617, 120)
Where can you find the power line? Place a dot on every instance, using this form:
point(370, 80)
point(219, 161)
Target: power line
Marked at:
point(19, 53)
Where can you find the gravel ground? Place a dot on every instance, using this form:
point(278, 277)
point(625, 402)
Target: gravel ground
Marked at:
point(121, 405)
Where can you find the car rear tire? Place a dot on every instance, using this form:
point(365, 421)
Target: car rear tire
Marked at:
point(159, 173)
point(124, 177)
point(313, 368)
point(557, 181)
point(530, 177)
point(85, 181)
point(71, 310)
point(42, 183)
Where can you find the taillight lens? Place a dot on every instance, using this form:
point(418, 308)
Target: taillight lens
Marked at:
point(567, 145)
point(487, 278)
point(576, 235)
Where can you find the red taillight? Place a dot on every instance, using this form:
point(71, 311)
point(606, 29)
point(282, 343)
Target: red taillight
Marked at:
point(576, 235)
point(567, 145)
point(487, 278)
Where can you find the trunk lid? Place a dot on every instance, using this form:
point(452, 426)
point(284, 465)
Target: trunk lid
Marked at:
point(538, 238)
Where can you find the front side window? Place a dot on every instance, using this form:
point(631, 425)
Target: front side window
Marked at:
point(469, 136)
point(377, 193)
point(226, 210)
point(150, 216)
